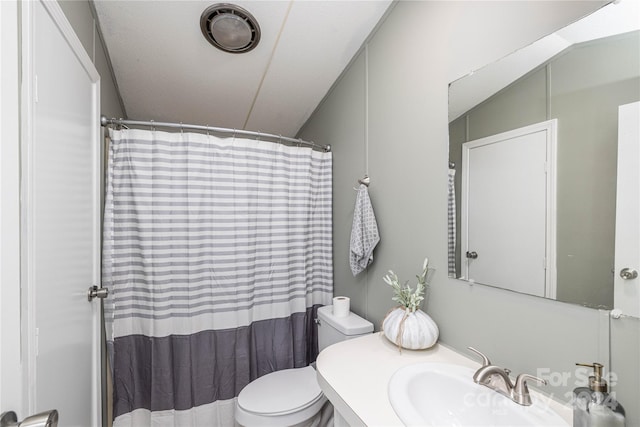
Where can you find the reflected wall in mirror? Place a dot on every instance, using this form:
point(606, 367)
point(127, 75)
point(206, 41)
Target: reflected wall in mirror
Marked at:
point(578, 77)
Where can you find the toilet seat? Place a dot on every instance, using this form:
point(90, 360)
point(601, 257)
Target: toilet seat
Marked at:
point(284, 397)
point(281, 392)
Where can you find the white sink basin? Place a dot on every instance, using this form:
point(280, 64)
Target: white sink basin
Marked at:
point(440, 394)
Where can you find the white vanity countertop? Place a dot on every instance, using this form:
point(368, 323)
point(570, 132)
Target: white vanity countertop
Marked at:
point(354, 375)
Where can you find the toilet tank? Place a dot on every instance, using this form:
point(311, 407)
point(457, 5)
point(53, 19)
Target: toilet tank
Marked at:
point(332, 329)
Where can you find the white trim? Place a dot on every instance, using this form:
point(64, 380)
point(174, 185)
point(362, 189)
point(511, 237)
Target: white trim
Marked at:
point(10, 341)
point(550, 127)
point(26, 190)
point(66, 30)
point(464, 207)
point(551, 290)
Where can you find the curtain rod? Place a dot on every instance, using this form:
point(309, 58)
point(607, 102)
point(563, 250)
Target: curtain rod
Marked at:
point(104, 121)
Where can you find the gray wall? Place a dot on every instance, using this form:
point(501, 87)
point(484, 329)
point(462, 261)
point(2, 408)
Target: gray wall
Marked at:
point(419, 49)
point(80, 15)
point(582, 88)
point(587, 85)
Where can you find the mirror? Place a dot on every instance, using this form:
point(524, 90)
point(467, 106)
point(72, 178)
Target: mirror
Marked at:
point(566, 87)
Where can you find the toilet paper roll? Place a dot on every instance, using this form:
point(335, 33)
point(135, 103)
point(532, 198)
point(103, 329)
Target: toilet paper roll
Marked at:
point(341, 306)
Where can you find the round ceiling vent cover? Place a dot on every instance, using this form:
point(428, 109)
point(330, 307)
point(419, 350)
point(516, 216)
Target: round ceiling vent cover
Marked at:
point(230, 28)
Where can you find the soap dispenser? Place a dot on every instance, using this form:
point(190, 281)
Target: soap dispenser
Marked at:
point(593, 406)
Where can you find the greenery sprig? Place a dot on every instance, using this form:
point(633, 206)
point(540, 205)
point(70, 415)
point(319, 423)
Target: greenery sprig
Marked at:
point(404, 294)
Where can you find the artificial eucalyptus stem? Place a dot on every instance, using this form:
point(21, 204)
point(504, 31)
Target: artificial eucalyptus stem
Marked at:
point(404, 295)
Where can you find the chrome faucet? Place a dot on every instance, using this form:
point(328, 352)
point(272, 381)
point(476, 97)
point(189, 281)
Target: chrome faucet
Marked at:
point(497, 379)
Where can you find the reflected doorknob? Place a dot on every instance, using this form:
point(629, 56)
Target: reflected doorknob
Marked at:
point(8, 419)
point(628, 274)
point(43, 419)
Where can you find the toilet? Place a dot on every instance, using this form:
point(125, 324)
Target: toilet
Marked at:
point(292, 397)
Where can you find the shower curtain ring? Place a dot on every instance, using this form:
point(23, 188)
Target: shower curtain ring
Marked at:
point(118, 124)
point(153, 128)
point(181, 129)
point(207, 126)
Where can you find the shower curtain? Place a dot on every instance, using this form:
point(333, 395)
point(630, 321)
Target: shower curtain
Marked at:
point(217, 253)
point(451, 222)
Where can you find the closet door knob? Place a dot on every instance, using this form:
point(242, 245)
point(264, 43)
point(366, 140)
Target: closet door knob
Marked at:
point(472, 255)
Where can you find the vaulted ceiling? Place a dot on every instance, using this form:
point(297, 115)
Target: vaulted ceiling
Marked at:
point(613, 19)
point(167, 71)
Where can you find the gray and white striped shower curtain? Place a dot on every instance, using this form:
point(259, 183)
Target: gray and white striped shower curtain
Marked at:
point(217, 253)
point(451, 222)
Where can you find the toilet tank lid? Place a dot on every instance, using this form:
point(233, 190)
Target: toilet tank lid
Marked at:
point(348, 325)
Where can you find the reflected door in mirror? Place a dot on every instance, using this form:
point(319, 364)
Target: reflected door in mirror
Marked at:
point(507, 210)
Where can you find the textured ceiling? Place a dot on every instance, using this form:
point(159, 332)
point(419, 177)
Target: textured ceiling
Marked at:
point(167, 71)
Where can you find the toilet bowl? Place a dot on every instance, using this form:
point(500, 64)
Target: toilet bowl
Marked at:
point(282, 398)
point(292, 397)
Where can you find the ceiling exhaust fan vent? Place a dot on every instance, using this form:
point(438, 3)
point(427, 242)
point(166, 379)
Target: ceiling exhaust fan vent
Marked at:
point(230, 28)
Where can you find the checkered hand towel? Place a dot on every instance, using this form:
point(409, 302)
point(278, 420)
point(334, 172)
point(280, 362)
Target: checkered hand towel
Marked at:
point(364, 232)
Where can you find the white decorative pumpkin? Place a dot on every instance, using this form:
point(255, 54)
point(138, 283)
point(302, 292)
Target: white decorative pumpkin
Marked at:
point(413, 331)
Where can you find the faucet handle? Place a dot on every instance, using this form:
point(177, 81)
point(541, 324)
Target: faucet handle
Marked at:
point(485, 359)
point(521, 391)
